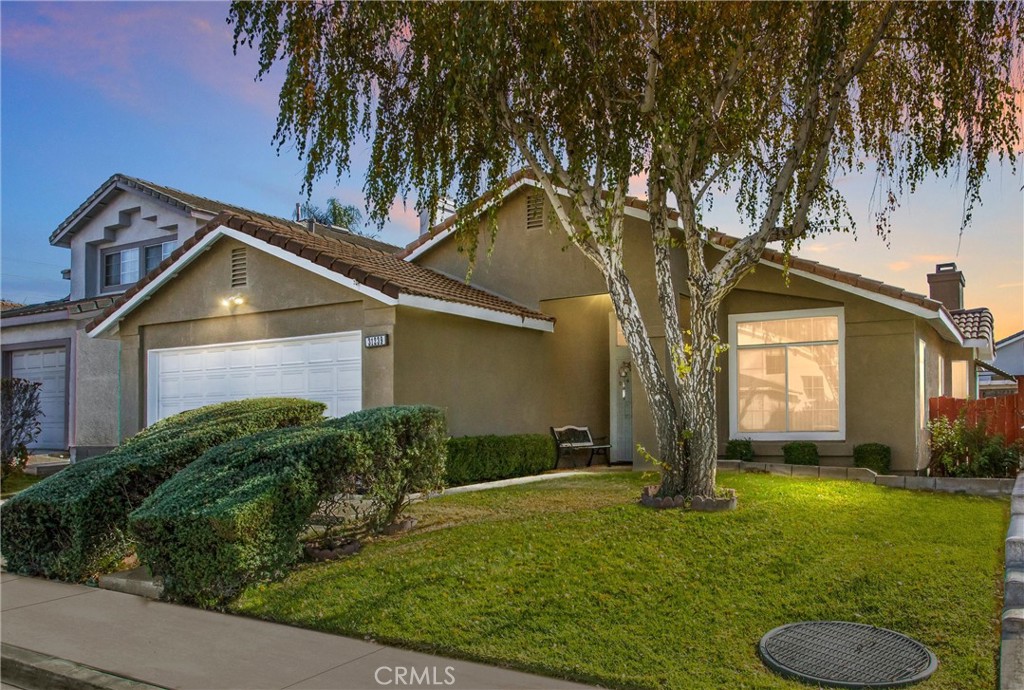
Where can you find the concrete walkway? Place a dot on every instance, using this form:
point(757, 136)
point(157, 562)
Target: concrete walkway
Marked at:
point(179, 647)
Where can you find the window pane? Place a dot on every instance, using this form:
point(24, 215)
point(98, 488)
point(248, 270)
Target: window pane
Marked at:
point(961, 384)
point(761, 398)
point(153, 257)
point(112, 269)
point(166, 249)
point(129, 266)
point(813, 387)
point(805, 330)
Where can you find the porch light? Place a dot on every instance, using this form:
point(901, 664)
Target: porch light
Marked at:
point(232, 301)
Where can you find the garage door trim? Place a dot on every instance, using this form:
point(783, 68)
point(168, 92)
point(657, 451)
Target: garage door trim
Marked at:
point(152, 358)
point(6, 366)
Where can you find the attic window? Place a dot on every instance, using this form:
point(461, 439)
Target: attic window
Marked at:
point(239, 268)
point(534, 211)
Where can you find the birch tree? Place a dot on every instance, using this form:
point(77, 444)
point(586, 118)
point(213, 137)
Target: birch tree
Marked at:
point(765, 104)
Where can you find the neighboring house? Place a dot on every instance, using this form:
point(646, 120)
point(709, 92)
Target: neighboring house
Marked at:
point(1009, 363)
point(121, 232)
point(255, 306)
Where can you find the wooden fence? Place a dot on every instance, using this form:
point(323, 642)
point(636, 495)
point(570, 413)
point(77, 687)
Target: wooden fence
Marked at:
point(1003, 415)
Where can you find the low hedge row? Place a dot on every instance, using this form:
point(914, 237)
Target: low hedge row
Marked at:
point(488, 458)
point(73, 524)
point(800, 453)
point(235, 515)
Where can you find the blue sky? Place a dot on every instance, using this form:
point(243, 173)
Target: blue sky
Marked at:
point(153, 90)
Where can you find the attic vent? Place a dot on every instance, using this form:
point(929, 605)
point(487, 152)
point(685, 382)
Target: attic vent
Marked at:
point(534, 211)
point(239, 268)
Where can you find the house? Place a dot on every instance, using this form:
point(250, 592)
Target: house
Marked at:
point(121, 231)
point(1000, 379)
point(250, 305)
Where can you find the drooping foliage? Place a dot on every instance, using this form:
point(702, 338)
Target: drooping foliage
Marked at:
point(768, 103)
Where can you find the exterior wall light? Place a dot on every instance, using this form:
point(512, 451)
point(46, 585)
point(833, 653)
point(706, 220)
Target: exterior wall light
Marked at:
point(232, 301)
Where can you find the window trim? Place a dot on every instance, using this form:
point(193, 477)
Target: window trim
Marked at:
point(733, 394)
point(140, 253)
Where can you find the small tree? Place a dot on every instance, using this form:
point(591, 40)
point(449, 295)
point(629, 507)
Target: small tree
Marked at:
point(20, 410)
point(335, 213)
point(769, 103)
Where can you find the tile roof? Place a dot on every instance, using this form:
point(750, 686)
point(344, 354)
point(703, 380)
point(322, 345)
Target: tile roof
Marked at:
point(72, 307)
point(974, 323)
point(7, 304)
point(376, 269)
point(193, 202)
point(717, 238)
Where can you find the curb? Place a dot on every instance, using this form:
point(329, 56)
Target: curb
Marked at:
point(32, 670)
point(1011, 644)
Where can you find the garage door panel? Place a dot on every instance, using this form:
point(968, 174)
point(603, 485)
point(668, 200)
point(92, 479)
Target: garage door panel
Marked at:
point(327, 369)
point(46, 366)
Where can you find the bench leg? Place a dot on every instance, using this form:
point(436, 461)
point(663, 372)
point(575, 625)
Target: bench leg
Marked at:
point(591, 458)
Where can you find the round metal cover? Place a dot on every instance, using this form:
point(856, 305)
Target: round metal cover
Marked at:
point(846, 655)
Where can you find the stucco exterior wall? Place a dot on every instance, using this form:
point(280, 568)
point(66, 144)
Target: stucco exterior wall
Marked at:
point(281, 301)
point(129, 218)
point(92, 391)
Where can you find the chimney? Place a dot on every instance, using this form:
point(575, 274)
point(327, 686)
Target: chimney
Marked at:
point(946, 285)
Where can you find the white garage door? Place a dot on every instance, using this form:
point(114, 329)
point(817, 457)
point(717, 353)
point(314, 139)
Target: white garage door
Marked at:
point(325, 368)
point(46, 366)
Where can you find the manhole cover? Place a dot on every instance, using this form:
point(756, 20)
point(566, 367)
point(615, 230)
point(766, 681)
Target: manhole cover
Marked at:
point(846, 655)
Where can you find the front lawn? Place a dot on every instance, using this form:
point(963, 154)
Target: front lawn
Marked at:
point(17, 482)
point(571, 578)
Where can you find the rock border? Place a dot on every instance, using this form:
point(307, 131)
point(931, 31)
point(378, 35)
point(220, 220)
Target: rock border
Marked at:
point(700, 504)
point(952, 485)
point(1011, 644)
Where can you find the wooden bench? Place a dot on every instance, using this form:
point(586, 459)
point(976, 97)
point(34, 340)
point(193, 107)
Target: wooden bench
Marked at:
point(570, 439)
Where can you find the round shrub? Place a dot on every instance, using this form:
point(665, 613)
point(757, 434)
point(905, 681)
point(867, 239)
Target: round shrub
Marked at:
point(873, 456)
point(739, 449)
point(800, 453)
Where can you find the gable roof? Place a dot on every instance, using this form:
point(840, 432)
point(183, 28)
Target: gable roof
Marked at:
point(378, 274)
point(1010, 339)
point(892, 295)
point(189, 203)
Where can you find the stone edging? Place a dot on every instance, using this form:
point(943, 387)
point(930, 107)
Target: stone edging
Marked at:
point(953, 485)
point(1011, 647)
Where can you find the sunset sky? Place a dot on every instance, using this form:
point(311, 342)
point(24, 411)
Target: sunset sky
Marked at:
point(152, 90)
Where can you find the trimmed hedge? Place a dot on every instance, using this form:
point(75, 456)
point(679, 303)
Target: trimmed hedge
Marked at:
point(800, 453)
point(234, 516)
point(487, 458)
point(73, 525)
point(873, 456)
point(739, 449)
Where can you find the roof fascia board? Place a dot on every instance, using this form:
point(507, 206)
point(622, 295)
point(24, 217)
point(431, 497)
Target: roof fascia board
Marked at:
point(29, 319)
point(58, 240)
point(469, 311)
point(1009, 340)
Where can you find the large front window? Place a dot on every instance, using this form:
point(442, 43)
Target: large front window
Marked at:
point(786, 375)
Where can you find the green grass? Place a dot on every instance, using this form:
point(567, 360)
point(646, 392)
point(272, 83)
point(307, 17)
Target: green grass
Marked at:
point(15, 483)
point(571, 578)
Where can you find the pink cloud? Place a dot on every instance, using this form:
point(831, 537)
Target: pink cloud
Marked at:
point(132, 52)
point(404, 216)
point(898, 266)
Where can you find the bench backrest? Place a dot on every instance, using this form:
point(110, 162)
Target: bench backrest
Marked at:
point(572, 436)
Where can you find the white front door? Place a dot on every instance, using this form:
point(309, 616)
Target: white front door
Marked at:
point(326, 368)
point(48, 367)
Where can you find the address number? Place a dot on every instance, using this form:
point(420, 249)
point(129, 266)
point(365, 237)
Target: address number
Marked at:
point(377, 340)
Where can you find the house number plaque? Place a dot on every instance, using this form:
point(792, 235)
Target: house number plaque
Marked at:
point(376, 340)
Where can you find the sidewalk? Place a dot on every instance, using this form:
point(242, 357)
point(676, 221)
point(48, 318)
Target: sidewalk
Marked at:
point(179, 647)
